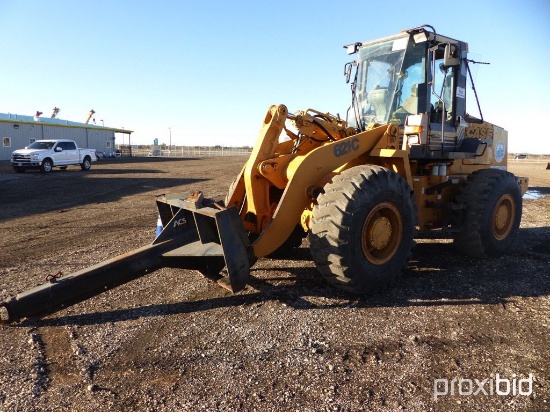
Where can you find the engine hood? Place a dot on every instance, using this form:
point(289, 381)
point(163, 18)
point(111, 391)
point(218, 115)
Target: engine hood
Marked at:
point(28, 152)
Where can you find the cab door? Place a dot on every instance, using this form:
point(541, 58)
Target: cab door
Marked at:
point(58, 155)
point(443, 131)
point(71, 153)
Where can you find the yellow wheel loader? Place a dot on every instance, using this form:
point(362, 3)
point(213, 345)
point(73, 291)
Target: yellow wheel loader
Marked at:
point(408, 157)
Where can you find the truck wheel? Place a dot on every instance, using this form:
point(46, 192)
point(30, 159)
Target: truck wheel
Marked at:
point(19, 169)
point(490, 214)
point(86, 164)
point(362, 229)
point(46, 166)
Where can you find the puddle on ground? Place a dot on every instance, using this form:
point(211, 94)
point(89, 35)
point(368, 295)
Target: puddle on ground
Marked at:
point(532, 194)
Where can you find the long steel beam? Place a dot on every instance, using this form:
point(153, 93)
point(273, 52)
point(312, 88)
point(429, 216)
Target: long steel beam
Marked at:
point(193, 237)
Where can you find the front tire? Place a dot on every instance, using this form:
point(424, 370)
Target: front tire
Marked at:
point(46, 166)
point(491, 213)
point(362, 229)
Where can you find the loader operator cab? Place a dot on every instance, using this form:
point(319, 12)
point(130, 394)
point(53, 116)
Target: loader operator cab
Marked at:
point(411, 73)
point(389, 79)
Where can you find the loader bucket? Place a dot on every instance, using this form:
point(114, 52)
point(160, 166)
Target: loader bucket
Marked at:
point(193, 236)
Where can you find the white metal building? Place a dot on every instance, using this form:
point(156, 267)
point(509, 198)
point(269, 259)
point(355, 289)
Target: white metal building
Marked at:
point(18, 131)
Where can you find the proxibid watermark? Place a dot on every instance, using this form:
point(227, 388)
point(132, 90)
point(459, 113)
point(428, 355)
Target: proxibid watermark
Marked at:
point(494, 385)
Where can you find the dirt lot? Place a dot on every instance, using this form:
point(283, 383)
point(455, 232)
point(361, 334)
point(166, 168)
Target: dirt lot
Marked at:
point(174, 340)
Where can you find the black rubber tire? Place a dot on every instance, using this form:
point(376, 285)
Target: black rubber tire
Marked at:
point(490, 215)
point(46, 166)
point(19, 169)
point(86, 164)
point(362, 229)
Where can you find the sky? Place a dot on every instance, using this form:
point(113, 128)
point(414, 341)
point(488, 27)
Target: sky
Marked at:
point(206, 72)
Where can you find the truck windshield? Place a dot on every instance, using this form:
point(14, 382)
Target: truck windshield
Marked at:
point(389, 74)
point(41, 145)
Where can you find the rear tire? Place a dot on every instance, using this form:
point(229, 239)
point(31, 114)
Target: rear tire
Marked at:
point(490, 215)
point(86, 164)
point(362, 229)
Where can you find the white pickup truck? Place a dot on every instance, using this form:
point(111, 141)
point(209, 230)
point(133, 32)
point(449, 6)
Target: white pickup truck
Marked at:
point(47, 154)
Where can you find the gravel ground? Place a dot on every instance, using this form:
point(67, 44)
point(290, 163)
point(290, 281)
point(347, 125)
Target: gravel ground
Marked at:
point(174, 340)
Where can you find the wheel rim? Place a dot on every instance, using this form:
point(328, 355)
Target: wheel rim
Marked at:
point(47, 166)
point(503, 217)
point(382, 233)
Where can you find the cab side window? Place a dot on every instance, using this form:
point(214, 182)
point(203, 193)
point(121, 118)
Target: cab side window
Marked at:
point(67, 145)
point(444, 85)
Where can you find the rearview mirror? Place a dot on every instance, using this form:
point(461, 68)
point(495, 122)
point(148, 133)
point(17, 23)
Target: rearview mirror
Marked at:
point(347, 70)
point(352, 48)
point(58, 149)
point(449, 58)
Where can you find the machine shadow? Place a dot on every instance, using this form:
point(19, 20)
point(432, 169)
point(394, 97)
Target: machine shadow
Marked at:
point(436, 276)
point(104, 187)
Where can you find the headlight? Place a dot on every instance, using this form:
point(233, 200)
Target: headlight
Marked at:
point(35, 157)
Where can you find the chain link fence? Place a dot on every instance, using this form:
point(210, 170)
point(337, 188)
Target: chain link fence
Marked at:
point(189, 151)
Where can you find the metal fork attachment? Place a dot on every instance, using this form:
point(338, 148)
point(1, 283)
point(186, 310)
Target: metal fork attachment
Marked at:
point(197, 234)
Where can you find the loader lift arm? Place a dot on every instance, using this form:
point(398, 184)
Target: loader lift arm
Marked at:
point(323, 145)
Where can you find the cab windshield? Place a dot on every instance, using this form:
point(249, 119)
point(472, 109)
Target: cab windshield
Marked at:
point(41, 145)
point(389, 73)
